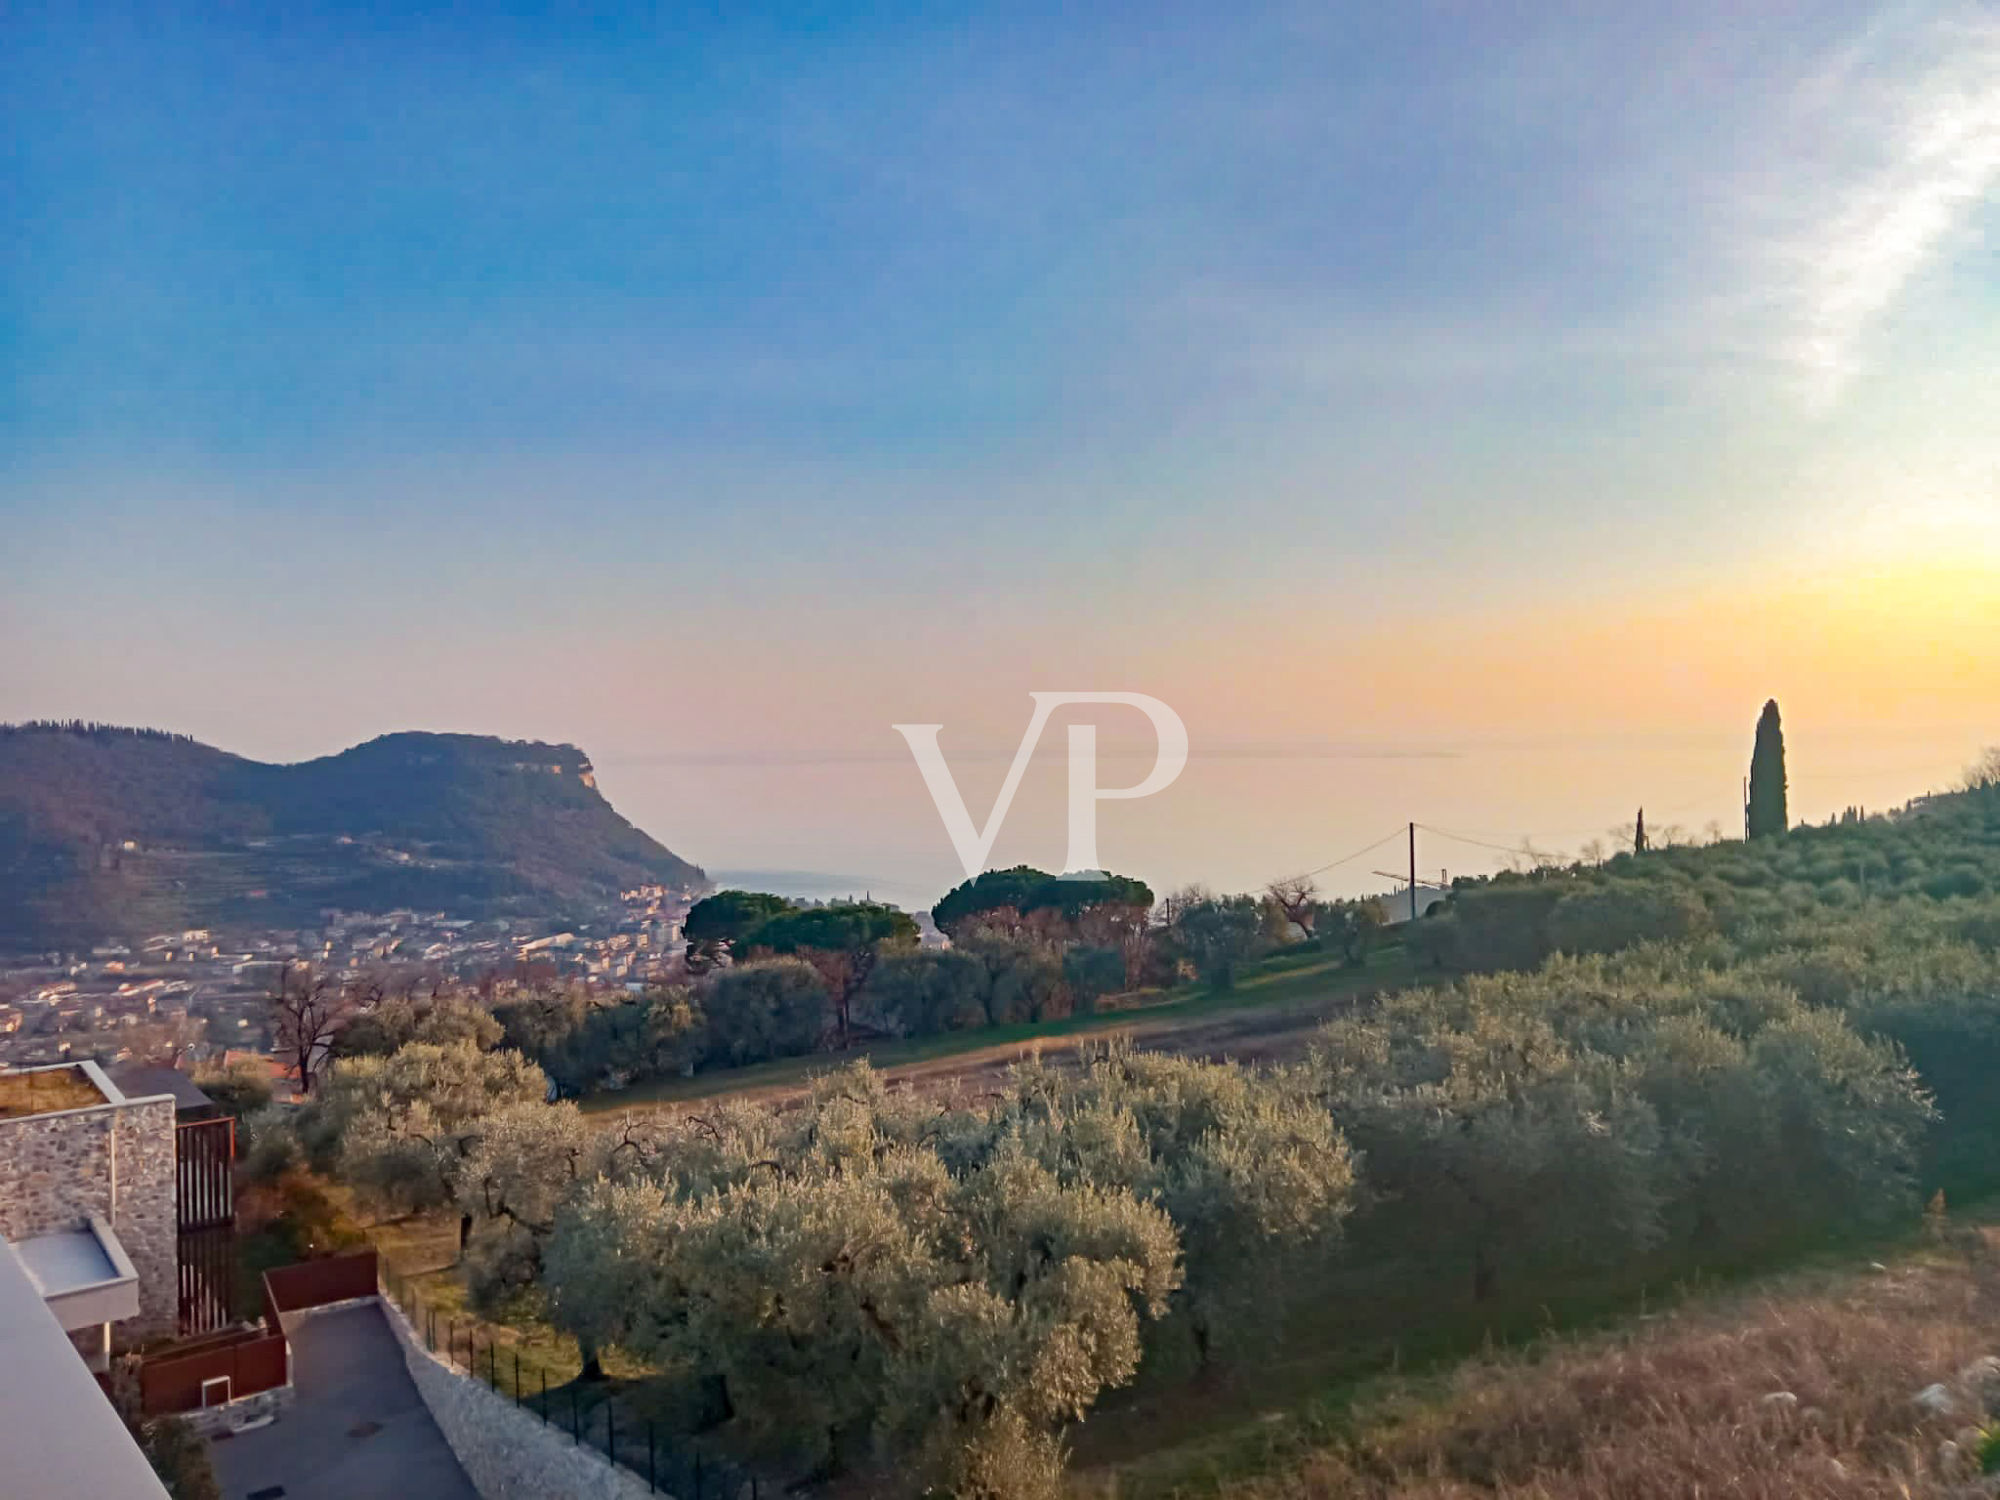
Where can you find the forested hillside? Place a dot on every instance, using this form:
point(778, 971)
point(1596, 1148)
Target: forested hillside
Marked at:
point(117, 832)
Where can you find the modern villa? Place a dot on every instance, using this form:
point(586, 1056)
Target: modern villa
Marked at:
point(87, 1266)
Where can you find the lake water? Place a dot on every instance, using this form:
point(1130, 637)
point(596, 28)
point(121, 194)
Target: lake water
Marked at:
point(1233, 822)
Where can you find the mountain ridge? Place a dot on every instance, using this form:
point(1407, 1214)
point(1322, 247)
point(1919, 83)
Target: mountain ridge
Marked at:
point(108, 832)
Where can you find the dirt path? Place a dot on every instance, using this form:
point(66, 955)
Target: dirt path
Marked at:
point(1278, 1031)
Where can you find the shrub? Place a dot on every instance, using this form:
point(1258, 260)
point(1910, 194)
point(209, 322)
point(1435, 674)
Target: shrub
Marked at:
point(239, 1089)
point(1622, 914)
point(1025, 978)
point(1220, 934)
point(776, 1008)
point(1091, 974)
point(179, 1456)
point(916, 994)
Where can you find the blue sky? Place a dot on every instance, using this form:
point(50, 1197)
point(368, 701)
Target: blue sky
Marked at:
point(851, 364)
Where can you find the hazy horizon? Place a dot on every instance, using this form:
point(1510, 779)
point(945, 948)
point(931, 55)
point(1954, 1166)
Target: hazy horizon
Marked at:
point(1235, 823)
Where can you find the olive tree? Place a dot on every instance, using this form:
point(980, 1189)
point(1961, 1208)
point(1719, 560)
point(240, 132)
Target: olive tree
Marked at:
point(917, 994)
point(890, 1282)
point(1220, 934)
point(1490, 1141)
point(1248, 1166)
point(402, 1128)
point(776, 1008)
point(1351, 927)
point(842, 942)
point(525, 1163)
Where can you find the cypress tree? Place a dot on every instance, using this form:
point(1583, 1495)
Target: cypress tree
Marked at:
point(1766, 815)
point(1639, 835)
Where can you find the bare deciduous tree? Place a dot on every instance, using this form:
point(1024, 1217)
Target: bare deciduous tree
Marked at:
point(308, 1008)
point(1984, 773)
point(1297, 898)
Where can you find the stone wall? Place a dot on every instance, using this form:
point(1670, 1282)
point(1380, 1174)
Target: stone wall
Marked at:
point(55, 1171)
point(145, 1220)
point(507, 1453)
point(246, 1411)
point(116, 1160)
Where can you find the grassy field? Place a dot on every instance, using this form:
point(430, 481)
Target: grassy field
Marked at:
point(1681, 1399)
point(422, 1250)
point(1270, 1010)
point(1311, 1350)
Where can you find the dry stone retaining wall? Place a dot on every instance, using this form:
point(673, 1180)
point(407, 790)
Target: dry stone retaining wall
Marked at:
point(507, 1453)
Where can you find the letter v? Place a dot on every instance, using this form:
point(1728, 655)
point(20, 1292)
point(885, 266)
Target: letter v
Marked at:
point(973, 845)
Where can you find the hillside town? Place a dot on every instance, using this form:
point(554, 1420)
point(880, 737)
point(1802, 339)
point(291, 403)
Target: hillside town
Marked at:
point(202, 994)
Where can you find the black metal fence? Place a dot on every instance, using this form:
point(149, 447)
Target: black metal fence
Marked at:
point(583, 1411)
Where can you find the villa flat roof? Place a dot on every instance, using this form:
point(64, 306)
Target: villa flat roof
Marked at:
point(84, 1275)
point(59, 1263)
point(61, 1438)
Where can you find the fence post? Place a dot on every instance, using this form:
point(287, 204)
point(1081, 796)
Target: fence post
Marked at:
point(575, 1423)
point(493, 1366)
point(610, 1431)
point(652, 1473)
point(517, 1376)
point(545, 1393)
point(451, 1342)
point(697, 1474)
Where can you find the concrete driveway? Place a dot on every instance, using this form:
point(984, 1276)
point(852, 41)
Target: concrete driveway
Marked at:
point(356, 1428)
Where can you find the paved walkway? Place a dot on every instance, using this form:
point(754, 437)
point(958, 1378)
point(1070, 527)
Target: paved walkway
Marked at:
point(356, 1428)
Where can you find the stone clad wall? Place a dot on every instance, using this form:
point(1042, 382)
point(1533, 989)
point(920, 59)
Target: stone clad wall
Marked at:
point(114, 1160)
point(55, 1171)
point(145, 1218)
point(507, 1453)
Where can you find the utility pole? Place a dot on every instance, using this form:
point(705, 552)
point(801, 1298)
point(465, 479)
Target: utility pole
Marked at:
point(1413, 872)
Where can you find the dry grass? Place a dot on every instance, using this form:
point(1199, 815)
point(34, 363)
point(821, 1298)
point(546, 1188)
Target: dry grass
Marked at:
point(44, 1091)
point(422, 1251)
point(1678, 1407)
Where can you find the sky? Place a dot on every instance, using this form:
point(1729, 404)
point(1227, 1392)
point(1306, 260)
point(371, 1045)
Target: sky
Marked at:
point(715, 393)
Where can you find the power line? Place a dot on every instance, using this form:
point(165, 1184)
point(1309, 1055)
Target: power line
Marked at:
point(1349, 859)
point(1558, 835)
point(1483, 844)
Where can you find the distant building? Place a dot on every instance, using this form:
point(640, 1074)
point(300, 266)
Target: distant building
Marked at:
point(1396, 904)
